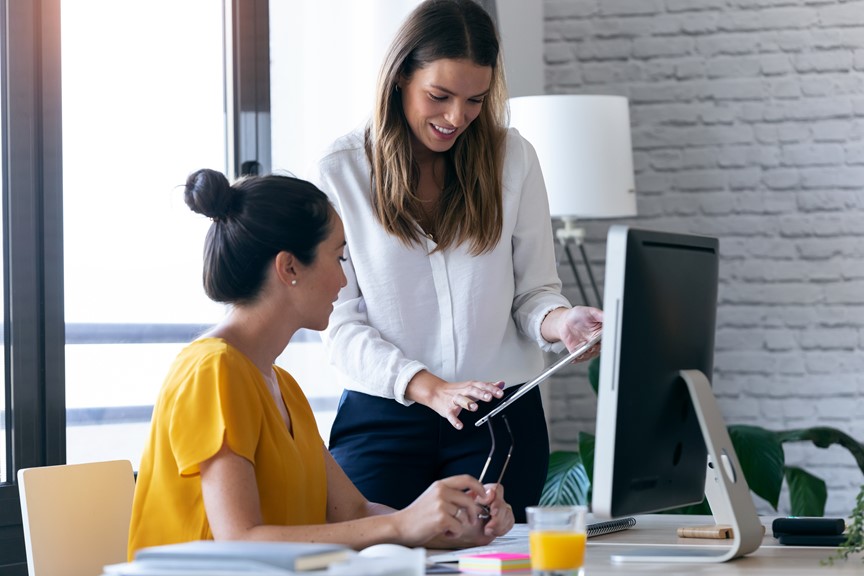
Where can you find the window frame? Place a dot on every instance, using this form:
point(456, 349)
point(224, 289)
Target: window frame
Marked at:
point(32, 254)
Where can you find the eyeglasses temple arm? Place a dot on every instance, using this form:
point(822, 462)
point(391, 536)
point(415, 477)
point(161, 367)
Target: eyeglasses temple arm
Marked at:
point(491, 452)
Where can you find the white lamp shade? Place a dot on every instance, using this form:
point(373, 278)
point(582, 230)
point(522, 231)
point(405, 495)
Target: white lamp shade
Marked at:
point(583, 142)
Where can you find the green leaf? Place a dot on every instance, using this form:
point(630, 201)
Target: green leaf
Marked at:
point(807, 493)
point(762, 460)
point(566, 483)
point(586, 450)
point(594, 373)
point(823, 437)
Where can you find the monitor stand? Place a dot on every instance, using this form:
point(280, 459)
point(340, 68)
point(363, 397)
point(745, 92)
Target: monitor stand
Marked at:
point(725, 487)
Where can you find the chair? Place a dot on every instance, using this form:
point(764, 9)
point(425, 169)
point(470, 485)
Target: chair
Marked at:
point(76, 516)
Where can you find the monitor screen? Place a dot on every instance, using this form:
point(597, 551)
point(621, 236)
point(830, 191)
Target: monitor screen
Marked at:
point(660, 298)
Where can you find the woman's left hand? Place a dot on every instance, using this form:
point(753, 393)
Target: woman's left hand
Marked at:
point(477, 532)
point(574, 326)
point(501, 517)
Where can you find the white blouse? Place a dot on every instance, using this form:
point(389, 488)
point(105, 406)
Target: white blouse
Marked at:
point(459, 316)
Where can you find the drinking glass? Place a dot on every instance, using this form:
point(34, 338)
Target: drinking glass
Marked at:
point(557, 540)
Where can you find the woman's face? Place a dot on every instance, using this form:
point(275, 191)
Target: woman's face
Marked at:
point(441, 100)
point(324, 277)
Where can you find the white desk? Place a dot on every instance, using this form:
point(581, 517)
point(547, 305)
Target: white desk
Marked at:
point(660, 529)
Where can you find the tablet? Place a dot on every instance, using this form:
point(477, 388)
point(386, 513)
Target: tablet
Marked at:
point(546, 374)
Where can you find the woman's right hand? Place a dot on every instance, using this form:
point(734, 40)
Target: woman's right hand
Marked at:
point(449, 398)
point(447, 511)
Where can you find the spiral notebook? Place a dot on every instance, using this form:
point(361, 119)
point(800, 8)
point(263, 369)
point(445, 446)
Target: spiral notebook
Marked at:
point(609, 526)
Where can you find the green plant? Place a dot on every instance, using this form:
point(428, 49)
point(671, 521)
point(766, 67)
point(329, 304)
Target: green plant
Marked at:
point(760, 452)
point(854, 532)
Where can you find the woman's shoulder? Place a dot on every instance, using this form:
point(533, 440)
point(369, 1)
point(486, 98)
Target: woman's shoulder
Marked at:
point(209, 351)
point(515, 142)
point(519, 154)
point(347, 147)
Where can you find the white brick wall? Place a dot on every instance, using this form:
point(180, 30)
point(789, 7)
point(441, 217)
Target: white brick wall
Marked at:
point(748, 125)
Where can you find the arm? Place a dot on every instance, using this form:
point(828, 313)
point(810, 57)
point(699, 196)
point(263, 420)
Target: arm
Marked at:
point(233, 509)
point(539, 308)
point(353, 344)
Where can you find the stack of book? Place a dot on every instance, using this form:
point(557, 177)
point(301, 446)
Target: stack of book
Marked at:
point(495, 563)
point(229, 558)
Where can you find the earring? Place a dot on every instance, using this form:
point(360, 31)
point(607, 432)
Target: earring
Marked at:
point(293, 282)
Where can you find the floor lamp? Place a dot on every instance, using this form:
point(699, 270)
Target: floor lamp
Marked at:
point(583, 143)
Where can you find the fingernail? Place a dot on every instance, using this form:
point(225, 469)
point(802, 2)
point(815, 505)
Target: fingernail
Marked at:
point(487, 396)
point(472, 407)
point(500, 384)
point(458, 425)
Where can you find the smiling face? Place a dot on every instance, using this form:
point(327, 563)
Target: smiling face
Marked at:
point(441, 100)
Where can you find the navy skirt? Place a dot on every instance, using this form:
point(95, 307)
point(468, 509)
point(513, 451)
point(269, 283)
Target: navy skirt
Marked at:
point(393, 453)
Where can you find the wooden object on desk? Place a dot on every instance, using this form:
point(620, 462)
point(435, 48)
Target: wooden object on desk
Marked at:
point(714, 531)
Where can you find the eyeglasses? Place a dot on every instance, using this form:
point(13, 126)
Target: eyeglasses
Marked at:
point(484, 509)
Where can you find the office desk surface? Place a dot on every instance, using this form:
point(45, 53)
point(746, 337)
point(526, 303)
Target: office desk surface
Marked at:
point(654, 530)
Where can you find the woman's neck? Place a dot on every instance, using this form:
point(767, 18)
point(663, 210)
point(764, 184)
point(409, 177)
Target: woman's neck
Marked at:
point(256, 333)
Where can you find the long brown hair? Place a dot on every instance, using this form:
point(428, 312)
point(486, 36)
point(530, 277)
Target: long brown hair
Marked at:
point(471, 206)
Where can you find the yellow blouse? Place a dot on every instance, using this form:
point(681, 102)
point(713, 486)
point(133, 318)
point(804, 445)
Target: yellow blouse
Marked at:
point(212, 392)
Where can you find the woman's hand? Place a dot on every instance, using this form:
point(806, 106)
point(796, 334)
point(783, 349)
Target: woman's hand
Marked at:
point(483, 531)
point(448, 399)
point(446, 511)
point(447, 514)
point(574, 326)
point(501, 518)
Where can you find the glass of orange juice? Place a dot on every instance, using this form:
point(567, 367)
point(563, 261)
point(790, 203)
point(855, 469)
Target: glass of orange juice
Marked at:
point(557, 540)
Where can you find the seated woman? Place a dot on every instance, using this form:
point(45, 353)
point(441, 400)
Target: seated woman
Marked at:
point(234, 452)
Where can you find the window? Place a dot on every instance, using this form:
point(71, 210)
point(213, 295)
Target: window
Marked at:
point(143, 105)
point(336, 93)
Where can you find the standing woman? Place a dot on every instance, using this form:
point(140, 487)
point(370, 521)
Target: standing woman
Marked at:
point(234, 452)
point(452, 289)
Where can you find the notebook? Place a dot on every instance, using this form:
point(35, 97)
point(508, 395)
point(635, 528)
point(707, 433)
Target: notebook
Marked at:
point(293, 556)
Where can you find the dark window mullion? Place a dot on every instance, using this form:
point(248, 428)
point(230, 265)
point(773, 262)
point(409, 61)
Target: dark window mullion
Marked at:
point(32, 250)
point(247, 67)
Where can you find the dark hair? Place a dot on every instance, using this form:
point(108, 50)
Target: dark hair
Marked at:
point(253, 220)
point(471, 208)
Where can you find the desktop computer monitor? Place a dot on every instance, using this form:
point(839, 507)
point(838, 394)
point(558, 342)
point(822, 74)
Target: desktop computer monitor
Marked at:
point(659, 318)
point(657, 420)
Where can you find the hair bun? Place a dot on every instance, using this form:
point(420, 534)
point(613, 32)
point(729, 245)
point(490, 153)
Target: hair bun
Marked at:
point(208, 192)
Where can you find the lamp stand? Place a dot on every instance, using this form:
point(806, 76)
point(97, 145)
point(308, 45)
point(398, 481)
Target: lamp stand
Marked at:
point(571, 233)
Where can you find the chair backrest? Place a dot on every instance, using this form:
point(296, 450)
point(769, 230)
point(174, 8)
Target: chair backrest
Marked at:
point(76, 516)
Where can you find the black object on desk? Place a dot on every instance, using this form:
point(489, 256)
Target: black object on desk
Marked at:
point(809, 531)
point(811, 539)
